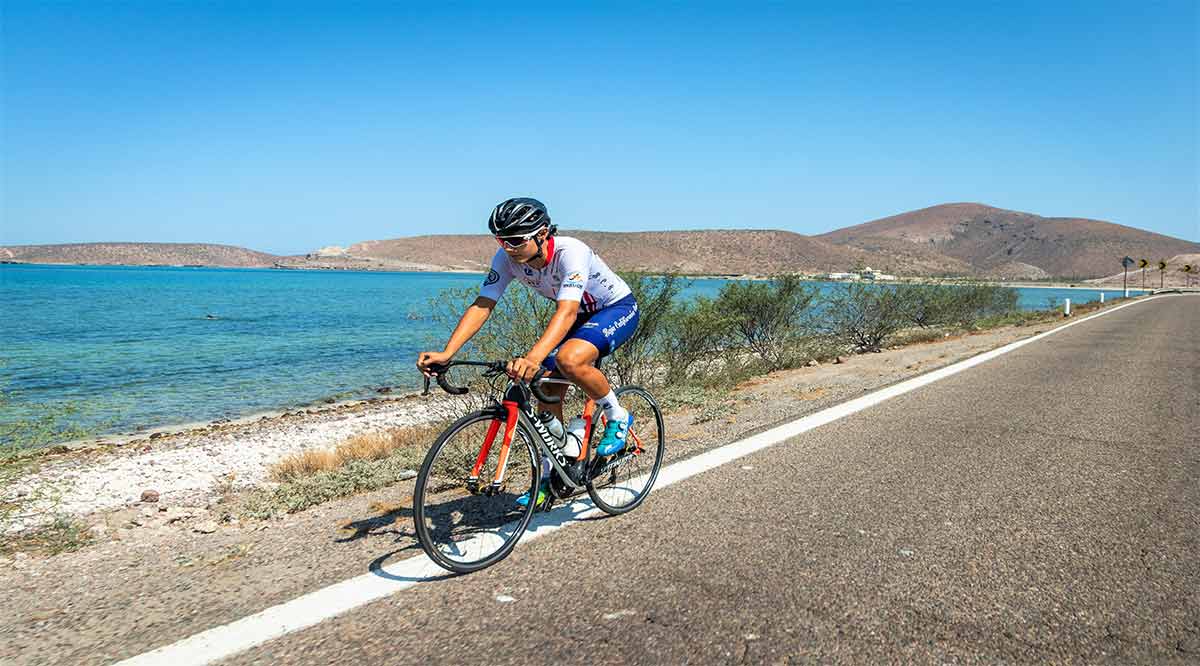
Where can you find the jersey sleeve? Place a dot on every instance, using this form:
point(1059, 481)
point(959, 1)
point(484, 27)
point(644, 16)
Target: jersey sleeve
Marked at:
point(497, 278)
point(574, 264)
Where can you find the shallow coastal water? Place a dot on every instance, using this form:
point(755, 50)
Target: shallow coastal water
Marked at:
point(139, 347)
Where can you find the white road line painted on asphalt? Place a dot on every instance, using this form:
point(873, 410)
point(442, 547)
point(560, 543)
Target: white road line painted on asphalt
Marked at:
point(315, 607)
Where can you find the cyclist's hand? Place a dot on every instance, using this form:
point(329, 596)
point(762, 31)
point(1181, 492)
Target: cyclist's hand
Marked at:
point(522, 368)
point(427, 359)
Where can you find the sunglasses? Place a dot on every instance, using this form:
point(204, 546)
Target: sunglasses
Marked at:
point(514, 242)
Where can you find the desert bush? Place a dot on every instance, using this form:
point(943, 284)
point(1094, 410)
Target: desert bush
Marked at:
point(698, 335)
point(976, 301)
point(635, 362)
point(934, 305)
point(926, 304)
point(863, 316)
point(770, 319)
point(516, 323)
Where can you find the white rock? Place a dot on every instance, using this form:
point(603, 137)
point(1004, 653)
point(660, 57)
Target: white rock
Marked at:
point(206, 527)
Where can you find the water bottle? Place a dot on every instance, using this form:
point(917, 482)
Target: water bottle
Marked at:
point(552, 424)
point(573, 443)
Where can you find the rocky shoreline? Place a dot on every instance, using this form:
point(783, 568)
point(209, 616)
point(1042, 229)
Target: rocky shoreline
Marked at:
point(189, 465)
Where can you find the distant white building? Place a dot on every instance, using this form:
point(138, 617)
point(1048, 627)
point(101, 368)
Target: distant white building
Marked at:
point(842, 276)
point(872, 274)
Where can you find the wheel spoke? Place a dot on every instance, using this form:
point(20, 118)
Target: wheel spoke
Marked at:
point(624, 487)
point(463, 530)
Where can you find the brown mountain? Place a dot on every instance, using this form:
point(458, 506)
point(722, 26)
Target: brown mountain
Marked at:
point(726, 252)
point(138, 254)
point(955, 239)
point(1012, 244)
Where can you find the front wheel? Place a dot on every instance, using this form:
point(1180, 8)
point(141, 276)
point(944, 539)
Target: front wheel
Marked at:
point(466, 525)
point(622, 481)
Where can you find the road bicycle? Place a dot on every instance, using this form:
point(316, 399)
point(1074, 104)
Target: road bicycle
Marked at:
point(465, 507)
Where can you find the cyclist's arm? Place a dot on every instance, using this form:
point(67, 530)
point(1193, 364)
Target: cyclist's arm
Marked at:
point(556, 330)
point(469, 324)
point(478, 312)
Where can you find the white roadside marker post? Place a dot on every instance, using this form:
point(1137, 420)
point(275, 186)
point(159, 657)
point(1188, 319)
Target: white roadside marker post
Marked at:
point(1066, 307)
point(1101, 297)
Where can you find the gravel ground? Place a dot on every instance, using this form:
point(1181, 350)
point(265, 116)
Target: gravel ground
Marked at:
point(196, 466)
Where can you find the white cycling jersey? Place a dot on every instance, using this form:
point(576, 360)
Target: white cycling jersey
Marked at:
point(572, 273)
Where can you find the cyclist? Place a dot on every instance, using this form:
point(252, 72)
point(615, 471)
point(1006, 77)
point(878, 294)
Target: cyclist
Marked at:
point(596, 312)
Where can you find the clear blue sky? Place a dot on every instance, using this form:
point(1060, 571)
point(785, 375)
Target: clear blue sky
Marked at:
point(287, 126)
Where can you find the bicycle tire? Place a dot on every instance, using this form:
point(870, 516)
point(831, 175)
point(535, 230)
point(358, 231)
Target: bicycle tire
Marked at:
point(444, 529)
point(600, 489)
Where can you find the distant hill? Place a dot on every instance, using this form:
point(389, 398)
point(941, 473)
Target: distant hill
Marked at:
point(966, 239)
point(1007, 243)
point(721, 252)
point(139, 254)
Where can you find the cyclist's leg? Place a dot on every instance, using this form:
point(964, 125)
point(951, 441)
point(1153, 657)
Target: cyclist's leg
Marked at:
point(606, 331)
point(601, 335)
point(576, 360)
point(551, 363)
point(554, 390)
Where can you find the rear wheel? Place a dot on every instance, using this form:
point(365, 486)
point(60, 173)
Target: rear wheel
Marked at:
point(463, 526)
point(622, 481)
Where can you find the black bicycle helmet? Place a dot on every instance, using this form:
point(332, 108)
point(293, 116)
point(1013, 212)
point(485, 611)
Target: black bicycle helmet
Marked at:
point(517, 217)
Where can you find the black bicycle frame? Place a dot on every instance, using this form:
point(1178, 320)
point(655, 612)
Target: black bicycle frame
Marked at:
point(550, 448)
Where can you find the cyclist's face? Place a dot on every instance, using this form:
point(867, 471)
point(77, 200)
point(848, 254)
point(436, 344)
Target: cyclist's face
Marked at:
point(523, 251)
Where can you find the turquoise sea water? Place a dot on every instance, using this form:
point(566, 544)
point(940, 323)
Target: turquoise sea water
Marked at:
point(135, 347)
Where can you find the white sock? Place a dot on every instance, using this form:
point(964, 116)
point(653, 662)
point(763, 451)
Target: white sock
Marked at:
point(612, 409)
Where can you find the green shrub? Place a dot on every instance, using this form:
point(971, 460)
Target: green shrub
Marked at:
point(768, 318)
point(976, 301)
point(935, 305)
point(698, 337)
point(863, 316)
point(635, 362)
point(516, 323)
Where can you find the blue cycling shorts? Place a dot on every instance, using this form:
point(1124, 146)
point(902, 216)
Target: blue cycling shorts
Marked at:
point(606, 329)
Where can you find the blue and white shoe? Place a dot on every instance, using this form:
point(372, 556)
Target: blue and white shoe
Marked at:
point(543, 488)
point(615, 434)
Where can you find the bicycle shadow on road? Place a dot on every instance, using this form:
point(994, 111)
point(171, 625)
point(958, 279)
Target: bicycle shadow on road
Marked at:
point(397, 520)
point(393, 519)
point(426, 571)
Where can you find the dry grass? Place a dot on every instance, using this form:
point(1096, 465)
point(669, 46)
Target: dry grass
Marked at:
point(810, 393)
point(365, 447)
point(64, 534)
point(914, 336)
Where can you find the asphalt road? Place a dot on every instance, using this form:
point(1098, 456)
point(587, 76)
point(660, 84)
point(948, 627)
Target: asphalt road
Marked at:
point(1043, 506)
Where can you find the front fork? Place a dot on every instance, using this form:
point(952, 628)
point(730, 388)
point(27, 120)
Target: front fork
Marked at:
point(510, 425)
